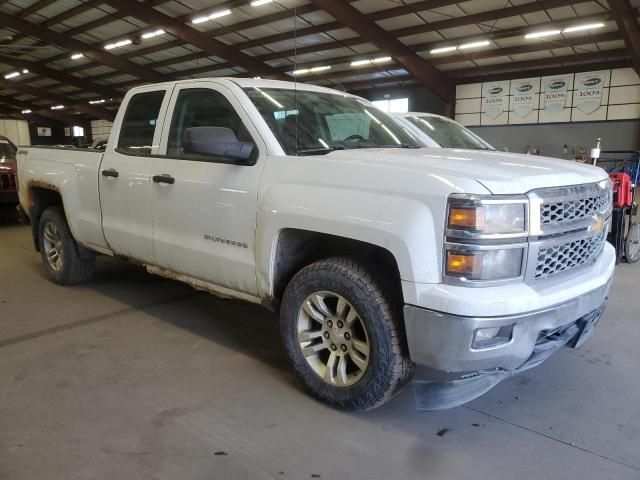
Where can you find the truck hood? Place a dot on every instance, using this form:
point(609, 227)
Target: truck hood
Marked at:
point(499, 172)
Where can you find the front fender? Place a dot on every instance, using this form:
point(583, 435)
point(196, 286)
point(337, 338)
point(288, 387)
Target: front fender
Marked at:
point(404, 226)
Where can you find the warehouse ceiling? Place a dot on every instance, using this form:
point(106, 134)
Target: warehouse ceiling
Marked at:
point(81, 56)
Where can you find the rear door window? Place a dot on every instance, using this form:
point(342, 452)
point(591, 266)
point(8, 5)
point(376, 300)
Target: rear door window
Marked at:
point(139, 123)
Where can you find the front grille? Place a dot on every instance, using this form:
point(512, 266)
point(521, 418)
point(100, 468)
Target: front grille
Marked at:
point(560, 258)
point(7, 181)
point(567, 211)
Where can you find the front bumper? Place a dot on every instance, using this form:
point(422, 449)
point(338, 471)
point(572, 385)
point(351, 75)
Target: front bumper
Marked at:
point(444, 342)
point(436, 394)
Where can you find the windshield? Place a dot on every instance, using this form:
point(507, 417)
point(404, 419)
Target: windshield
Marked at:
point(311, 123)
point(7, 150)
point(448, 134)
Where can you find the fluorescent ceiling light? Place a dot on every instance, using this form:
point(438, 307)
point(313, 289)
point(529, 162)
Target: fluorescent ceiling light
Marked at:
point(257, 3)
point(481, 43)
point(26, 111)
point(93, 102)
point(77, 56)
point(579, 28)
point(121, 43)
point(213, 16)
point(443, 49)
point(57, 107)
point(302, 71)
point(543, 33)
point(12, 75)
point(358, 63)
point(269, 97)
point(155, 33)
point(425, 122)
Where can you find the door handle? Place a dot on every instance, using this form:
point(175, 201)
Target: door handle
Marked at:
point(110, 172)
point(164, 179)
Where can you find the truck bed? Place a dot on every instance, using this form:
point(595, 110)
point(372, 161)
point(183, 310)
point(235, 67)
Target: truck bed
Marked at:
point(73, 173)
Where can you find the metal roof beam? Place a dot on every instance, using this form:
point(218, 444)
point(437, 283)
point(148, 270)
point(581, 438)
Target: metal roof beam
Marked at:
point(552, 62)
point(85, 84)
point(63, 41)
point(627, 20)
point(593, 62)
point(196, 38)
point(376, 16)
point(20, 105)
point(219, 31)
point(84, 107)
point(420, 68)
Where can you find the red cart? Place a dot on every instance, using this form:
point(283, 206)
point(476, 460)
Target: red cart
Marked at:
point(625, 230)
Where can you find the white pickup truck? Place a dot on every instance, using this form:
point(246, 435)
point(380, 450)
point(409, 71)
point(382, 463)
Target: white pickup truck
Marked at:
point(381, 255)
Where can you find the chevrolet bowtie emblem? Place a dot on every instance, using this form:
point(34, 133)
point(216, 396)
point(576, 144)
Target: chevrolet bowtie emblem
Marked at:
point(598, 223)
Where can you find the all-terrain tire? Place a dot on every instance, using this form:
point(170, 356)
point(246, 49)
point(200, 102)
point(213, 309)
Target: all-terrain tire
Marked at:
point(380, 310)
point(73, 268)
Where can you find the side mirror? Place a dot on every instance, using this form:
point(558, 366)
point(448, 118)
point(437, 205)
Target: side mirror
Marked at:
point(215, 141)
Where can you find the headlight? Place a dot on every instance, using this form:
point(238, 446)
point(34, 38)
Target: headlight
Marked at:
point(480, 216)
point(485, 238)
point(495, 264)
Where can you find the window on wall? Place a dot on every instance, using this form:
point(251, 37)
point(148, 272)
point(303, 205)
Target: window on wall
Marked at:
point(399, 105)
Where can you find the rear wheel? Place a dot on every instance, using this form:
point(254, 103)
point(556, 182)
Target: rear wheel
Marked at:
point(343, 335)
point(59, 251)
point(632, 243)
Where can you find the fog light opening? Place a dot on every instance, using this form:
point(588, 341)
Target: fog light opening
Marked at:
point(491, 337)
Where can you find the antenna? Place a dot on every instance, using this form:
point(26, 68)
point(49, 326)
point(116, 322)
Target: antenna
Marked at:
point(295, 68)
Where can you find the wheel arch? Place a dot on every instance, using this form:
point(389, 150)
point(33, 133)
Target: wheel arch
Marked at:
point(295, 248)
point(41, 197)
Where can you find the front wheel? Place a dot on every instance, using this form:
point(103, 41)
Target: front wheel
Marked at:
point(632, 244)
point(59, 251)
point(343, 335)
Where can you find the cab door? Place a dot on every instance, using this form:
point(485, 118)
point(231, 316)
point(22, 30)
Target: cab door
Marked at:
point(125, 173)
point(204, 188)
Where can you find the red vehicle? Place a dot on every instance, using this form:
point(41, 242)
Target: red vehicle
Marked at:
point(8, 179)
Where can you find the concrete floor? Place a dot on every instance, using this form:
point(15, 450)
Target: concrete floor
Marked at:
point(135, 377)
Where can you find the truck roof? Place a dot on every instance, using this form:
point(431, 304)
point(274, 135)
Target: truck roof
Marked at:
point(254, 82)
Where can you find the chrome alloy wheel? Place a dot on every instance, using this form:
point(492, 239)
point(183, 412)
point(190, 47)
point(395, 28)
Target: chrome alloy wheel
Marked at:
point(333, 339)
point(53, 247)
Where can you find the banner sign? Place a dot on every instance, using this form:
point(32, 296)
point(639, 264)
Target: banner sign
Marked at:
point(555, 93)
point(523, 96)
point(588, 90)
point(495, 98)
point(43, 131)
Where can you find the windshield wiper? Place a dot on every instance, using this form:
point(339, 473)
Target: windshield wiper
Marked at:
point(317, 150)
point(401, 145)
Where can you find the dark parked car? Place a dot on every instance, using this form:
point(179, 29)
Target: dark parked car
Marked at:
point(8, 178)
